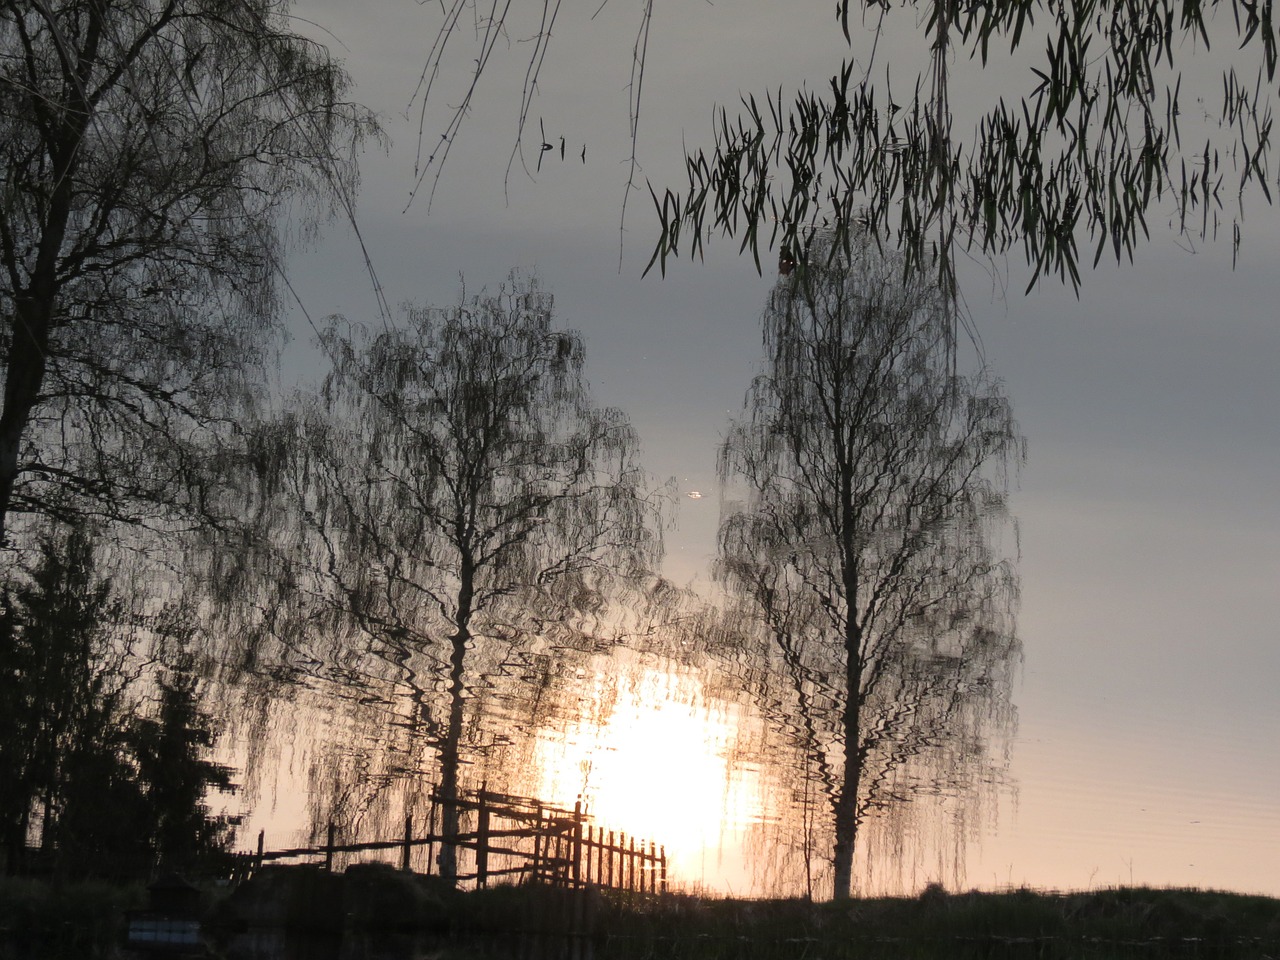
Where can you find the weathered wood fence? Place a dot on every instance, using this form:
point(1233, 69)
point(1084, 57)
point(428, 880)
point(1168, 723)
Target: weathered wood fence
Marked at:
point(506, 838)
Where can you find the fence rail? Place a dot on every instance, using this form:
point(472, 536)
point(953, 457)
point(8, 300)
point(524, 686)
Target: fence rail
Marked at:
point(509, 837)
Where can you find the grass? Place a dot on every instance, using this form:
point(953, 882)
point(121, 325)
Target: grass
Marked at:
point(40, 921)
point(84, 919)
point(1023, 923)
point(1116, 923)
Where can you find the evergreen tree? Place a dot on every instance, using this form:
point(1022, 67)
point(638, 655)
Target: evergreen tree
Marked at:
point(105, 790)
point(63, 683)
point(171, 751)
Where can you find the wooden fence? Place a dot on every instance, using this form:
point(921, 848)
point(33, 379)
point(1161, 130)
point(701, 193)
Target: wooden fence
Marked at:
point(507, 838)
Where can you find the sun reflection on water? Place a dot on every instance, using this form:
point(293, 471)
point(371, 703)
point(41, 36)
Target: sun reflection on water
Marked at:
point(652, 756)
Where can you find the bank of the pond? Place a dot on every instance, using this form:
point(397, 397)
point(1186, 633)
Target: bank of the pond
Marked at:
point(1112, 923)
point(86, 919)
point(288, 913)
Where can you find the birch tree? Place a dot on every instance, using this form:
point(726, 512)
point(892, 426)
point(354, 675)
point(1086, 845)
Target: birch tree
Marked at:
point(872, 483)
point(462, 496)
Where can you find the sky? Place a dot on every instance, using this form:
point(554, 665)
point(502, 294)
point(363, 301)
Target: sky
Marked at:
point(1148, 520)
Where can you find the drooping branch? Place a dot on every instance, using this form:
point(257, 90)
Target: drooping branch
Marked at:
point(1087, 148)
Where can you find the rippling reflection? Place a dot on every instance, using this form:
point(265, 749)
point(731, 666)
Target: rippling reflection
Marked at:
point(664, 749)
point(653, 755)
point(677, 751)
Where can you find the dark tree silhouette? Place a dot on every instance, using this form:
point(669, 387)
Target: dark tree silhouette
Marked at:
point(148, 151)
point(109, 787)
point(62, 684)
point(1093, 133)
point(462, 498)
point(171, 748)
point(873, 484)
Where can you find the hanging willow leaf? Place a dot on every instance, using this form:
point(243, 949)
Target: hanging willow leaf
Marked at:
point(1086, 151)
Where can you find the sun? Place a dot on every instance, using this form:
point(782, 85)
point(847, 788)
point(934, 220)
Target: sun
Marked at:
point(656, 761)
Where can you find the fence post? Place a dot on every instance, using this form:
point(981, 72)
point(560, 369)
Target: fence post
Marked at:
point(262, 835)
point(663, 862)
point(600, 855)
point(609, 869)
point(578, 931)
point(328, 850)
point(431, 832)
point(631, 885)
point(644, 866)
point(631, 865)
point(577, 843)
point(536, 870)
point(622, 860)
point(482, 841)
point(408, 842)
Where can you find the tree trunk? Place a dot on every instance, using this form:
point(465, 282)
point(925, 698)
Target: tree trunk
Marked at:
point(33, 313)
point(451, 759)
point(23, 381)
point(846, 802)
point(451, 749)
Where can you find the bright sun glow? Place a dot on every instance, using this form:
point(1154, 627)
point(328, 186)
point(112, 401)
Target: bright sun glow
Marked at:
point(657, 762)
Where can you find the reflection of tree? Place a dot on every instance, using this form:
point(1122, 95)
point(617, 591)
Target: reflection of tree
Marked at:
point(170, 750)
point(146, 152)
point(62, 682)
point(863, 547)
point(462, 501)
point(110, 786)
point(494, 28)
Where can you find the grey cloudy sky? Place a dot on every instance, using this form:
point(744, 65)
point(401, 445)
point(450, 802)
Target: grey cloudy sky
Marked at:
point(1150, 529)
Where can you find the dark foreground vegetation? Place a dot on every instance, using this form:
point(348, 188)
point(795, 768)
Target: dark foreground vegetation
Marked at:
point(374, 911)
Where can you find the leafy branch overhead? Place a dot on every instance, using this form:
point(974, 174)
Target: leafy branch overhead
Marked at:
point(1085, 150)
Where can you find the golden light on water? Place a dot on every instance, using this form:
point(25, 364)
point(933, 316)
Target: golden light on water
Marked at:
point(653, 757)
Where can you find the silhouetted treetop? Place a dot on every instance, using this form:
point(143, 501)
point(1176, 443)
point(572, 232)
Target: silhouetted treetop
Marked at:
point(149, 152)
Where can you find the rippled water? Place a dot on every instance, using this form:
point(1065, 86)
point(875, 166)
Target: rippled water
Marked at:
point(1099, 793)
point(1131, 797)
